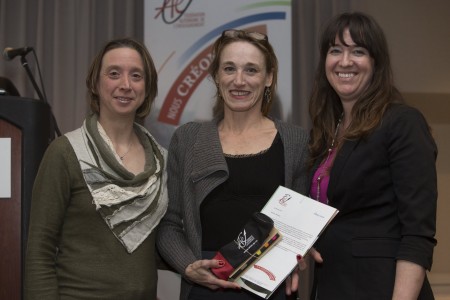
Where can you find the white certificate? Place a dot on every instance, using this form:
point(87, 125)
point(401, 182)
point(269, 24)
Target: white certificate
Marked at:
point(300, 220)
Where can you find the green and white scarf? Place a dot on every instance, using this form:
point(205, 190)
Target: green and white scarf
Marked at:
point(131, 205)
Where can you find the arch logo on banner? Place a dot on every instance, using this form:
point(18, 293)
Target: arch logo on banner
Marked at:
point(180, 34)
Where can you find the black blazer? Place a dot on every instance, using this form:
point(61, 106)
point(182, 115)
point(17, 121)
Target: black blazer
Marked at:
point(385, 188)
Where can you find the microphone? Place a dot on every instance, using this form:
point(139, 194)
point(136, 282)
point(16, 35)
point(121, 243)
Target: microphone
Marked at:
point(9, 53)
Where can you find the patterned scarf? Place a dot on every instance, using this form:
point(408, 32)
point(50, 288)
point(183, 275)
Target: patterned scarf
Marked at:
point(131, 205)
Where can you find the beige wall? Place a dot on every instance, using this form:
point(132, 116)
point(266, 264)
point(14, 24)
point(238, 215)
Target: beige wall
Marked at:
point(418, 33)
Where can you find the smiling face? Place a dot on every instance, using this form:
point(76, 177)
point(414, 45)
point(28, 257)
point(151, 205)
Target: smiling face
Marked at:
point(121, 84)
point(349, 68)
point(242, 77)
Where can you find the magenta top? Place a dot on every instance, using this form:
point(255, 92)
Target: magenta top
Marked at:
point(321, 178)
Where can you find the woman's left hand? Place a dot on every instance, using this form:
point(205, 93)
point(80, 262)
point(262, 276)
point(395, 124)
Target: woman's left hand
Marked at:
point(200, 273)
point(292, 282)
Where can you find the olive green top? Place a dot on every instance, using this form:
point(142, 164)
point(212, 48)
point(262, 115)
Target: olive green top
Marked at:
point(71, 252)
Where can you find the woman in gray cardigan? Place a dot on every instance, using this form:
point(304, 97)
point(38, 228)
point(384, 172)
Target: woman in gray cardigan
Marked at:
point(222, 171)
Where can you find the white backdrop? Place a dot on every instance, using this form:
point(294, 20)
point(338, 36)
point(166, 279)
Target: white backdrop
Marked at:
point(179, 35)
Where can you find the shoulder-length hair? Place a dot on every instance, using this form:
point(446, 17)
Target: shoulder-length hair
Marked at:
point(150, 75)
point(325, 107)
point(261, 42)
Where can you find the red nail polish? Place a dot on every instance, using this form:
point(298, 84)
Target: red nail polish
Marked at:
point(299, 257)
point(221, 263)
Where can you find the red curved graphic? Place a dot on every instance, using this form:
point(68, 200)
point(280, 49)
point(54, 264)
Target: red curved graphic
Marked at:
point(267, 272)
point(183, 87)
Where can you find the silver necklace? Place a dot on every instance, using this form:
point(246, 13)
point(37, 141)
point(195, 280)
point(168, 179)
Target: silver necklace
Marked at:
point(129, 148)
point(330, 149)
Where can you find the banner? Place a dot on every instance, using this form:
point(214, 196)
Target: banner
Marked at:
point(179, 35)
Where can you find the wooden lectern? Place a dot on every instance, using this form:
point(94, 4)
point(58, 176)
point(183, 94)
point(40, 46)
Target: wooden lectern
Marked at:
point(28, 123)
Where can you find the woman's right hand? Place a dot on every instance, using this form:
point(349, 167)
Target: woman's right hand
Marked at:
point(199, 272)
point(302, 265)
point(316, 255)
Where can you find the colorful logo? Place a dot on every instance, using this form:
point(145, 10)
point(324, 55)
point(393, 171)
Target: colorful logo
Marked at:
point(283, 200)
point(171, 10)
point(197, 58)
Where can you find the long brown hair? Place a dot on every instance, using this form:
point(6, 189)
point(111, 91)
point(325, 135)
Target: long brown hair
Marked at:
point(325, 107)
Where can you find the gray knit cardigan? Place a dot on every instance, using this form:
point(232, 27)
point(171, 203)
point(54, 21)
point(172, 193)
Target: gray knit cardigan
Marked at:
point(196, 165)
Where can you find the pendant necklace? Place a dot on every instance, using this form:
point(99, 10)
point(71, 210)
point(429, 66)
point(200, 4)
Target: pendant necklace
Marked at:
point(330, 150)
point(123, 155)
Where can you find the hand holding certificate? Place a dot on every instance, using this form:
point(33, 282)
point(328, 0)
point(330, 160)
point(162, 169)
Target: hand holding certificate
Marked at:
point(300, 220)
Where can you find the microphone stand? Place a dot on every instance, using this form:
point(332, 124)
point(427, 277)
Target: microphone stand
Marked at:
point(24, 62)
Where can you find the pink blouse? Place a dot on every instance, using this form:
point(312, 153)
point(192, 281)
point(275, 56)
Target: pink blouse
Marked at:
point(321, 178)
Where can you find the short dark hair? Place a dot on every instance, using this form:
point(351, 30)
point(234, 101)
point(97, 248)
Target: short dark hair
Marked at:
point(151, 76)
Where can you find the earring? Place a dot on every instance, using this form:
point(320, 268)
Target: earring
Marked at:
point(219, 95)
point(267, 94)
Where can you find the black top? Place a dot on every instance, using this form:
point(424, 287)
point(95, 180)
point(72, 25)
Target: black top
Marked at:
point(385, 189)
point(252, 181)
